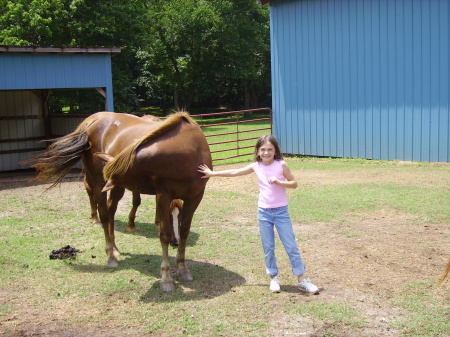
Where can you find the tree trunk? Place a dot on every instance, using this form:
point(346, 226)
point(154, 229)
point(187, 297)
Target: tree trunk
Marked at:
point(250, 98)
point(175, 98)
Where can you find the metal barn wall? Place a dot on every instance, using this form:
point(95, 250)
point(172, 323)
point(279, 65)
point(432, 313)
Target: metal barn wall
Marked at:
point(362, 78)
point(64, 124)
point(21, 127)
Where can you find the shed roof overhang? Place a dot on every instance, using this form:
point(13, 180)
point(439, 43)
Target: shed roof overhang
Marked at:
point(28, 67)
point(266, 2)
point(60, 50)
point(51, 67)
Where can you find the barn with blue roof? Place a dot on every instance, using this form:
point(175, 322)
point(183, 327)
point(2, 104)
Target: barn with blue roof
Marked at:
point(28, 75)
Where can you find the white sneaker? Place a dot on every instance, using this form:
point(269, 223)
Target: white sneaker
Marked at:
point(275, 285)
point(307, 287)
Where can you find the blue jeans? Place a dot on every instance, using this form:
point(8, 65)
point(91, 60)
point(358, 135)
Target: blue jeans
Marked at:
point(278, 217)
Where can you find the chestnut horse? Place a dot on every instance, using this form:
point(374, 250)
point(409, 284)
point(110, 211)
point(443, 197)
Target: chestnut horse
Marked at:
point(176, 206)
point(147, 158)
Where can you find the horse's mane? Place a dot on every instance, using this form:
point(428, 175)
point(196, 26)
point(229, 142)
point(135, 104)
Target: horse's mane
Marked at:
point(124, 160)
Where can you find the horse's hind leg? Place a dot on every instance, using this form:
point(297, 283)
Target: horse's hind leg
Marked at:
point(93, 203)
point(103, 213)
point(163, 210)
point(114, 197)
point(131, 227)
point(106, 210)
point(189, 207)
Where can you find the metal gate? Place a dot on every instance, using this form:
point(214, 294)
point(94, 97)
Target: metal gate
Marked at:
point(230, 134)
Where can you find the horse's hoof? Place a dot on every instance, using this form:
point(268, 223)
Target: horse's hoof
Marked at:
point(186, 276)
point(113, 263)
point(130, 228)
point(167, 286)
point(97, 224)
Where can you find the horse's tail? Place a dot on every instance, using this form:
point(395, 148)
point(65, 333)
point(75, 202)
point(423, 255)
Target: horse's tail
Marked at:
point(124, 160)
point(445, 275)
point(55, 162)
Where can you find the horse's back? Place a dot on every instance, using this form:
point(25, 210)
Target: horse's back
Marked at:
point(177, 153)
point(112, 131)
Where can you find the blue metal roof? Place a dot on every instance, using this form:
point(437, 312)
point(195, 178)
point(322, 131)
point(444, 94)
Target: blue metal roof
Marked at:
point(25, 68)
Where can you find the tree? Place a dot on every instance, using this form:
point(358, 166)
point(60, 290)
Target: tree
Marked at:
point(206, 49)
point(37, 22)
point(113, 23)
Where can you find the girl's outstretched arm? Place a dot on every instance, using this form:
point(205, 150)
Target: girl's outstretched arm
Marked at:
point(207, 172)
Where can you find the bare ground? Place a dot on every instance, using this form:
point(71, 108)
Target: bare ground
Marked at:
point(369, 269)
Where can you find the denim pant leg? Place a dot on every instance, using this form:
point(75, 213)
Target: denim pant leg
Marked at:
point(286, 233)
point(266, 231)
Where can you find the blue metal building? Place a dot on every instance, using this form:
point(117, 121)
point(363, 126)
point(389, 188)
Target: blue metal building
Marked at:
point(362, 78)
point(27, 77)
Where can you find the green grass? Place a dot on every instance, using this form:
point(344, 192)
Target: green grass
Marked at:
point(333, 313)
point(326, 203)
point(229, 294)
point(428, 307)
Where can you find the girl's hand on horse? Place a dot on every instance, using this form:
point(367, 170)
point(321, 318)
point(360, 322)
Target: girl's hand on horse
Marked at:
point(205, 170)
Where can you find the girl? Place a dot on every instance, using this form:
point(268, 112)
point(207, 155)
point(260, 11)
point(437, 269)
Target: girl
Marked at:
point(274, 176)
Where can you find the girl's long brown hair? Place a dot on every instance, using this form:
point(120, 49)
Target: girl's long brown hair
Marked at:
point(272, 140)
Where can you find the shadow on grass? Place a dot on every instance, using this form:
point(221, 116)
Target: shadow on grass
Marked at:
point(148, 230)
point(25, 178)
point(210, 280)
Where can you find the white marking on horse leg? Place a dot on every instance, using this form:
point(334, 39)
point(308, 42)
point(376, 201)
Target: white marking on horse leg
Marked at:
point(112, 255)
point(166, 283)
point(175, 222)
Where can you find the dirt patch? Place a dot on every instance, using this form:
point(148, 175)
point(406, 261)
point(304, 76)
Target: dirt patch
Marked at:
point(367, 258)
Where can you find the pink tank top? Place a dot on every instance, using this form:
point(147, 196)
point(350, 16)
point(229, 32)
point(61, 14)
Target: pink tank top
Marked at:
point(270, 195)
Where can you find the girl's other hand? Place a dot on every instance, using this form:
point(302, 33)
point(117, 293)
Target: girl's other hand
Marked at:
point(273, 180)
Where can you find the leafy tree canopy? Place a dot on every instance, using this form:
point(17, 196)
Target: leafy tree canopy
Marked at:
point(204, 48)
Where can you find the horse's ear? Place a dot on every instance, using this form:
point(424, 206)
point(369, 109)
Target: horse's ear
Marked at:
point(108, 186)
point(103, 156)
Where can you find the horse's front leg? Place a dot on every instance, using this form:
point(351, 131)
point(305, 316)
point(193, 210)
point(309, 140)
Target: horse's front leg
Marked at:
point(131, 227)
point(162, 209)
point(189, 208)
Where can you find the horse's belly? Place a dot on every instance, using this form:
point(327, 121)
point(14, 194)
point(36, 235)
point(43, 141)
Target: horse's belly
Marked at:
point(145, 190)
point(139, 184)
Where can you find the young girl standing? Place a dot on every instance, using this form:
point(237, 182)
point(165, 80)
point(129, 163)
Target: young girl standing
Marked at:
point(274, 176)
